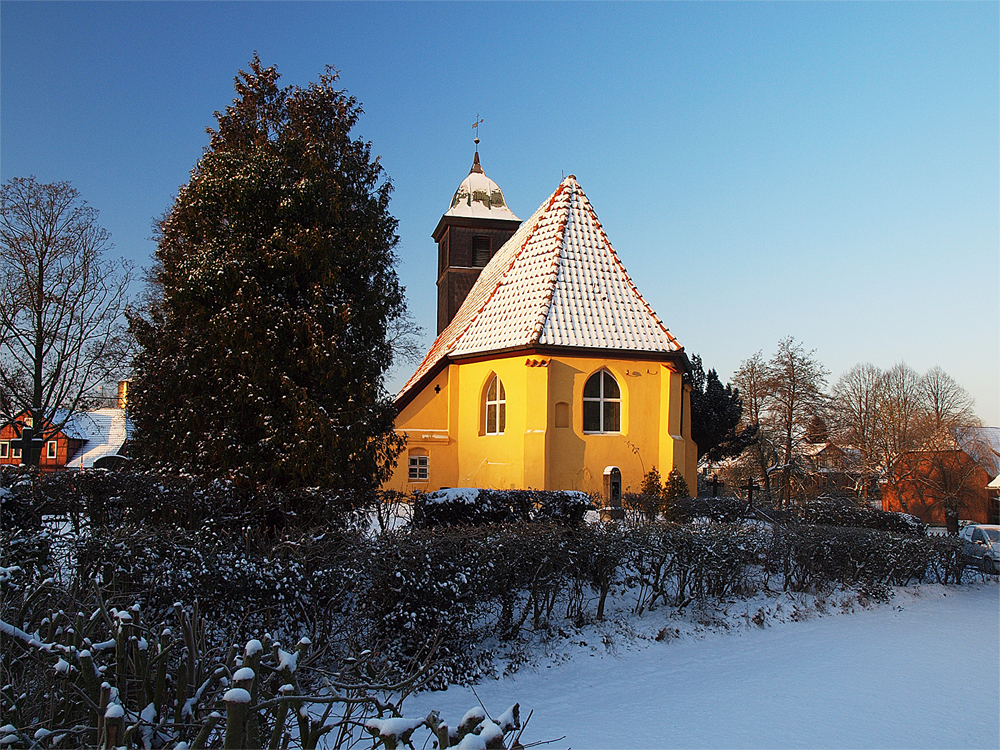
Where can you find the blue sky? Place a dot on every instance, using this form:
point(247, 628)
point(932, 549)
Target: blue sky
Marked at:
point(828, 171)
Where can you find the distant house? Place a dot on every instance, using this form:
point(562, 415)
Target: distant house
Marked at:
point(86, 440)
point(825, 457)
point(829, 466)
point(950, 479)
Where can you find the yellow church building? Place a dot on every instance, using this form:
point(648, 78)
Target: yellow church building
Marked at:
point(550, 370)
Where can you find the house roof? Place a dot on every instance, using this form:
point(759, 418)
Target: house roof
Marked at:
point(980, 443)
point(814, 449)
point(556, 283)
point(105, 431)
point(68, 429)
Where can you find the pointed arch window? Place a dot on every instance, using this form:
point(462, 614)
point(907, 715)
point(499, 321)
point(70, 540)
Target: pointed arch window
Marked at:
point(496, 407)
point(602, 403)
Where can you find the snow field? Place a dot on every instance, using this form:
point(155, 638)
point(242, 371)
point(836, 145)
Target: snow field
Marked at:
point(921, 671)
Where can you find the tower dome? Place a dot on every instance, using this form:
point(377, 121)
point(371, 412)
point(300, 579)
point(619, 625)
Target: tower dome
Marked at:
point(474, 228)
point(479, 197)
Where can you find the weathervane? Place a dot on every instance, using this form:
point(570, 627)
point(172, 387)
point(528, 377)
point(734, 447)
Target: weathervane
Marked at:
point(475, 126)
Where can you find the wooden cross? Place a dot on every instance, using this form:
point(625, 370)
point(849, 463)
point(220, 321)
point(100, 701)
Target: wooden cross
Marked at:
point(751, 485)
point(28, 445)
point(715, 484)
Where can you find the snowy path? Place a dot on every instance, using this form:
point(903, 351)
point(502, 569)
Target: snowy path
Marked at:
point(920, 672)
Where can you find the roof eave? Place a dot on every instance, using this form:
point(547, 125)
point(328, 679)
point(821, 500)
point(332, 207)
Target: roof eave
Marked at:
point(472, 222)
point(403, 399)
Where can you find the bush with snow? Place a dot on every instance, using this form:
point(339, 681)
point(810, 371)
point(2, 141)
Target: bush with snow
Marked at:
point(468, 506)
point(454, 591)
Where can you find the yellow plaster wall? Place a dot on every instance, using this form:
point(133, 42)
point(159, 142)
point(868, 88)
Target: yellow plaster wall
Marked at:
point(534, 453)
point(494, 461)
point(577, 460)
point(427, 423)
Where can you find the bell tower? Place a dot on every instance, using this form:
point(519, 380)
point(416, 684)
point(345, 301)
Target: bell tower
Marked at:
point(476, 225)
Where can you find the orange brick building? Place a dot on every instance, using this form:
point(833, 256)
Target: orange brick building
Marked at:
point(948, 482)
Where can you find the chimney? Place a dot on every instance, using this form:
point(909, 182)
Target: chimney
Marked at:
point(123, 394)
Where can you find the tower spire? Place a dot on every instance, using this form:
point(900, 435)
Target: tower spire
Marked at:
point(476, 167)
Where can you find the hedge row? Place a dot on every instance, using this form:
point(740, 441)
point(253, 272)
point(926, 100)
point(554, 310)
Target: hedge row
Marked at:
point(407, 590)
point(102, 499)
point(476, 507)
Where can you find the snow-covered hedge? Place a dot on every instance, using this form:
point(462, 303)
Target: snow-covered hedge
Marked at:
point(446, 587)
point(831, 512)
point(164, 499)
point(474, 507)
point(135, 677)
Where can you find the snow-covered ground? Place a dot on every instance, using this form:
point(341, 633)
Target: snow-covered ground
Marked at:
point(921, 671)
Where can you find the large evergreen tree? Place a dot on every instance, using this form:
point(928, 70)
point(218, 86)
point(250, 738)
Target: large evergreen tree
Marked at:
point(716, 411)
point(264, 346)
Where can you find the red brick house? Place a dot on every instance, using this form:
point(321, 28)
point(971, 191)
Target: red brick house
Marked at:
point(949, 481)
point(85, 440)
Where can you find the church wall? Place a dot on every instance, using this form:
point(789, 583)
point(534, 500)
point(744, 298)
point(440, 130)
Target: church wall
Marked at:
point(493, 461)
point(677, 449)
point(577, 459)
point(426, 423)
point(533, 452)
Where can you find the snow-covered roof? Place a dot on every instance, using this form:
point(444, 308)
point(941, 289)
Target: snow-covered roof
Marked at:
point(105, 431)
point(814, 449)
point(479, 197)
point(982, 444)
point(557, 282)
point(70, 427)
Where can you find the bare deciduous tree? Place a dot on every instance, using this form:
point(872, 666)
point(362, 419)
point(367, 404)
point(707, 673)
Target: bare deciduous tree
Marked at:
point(902, 426)
point(948, 404)
point(796, 382)
point(857, 397)
point(751, 380)
point(62, 329)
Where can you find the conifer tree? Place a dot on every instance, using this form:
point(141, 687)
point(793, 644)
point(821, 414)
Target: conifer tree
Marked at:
point(675, 490)
point(264, 345)
point(716, 411)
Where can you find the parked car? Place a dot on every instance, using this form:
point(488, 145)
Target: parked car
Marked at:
point(981, 546)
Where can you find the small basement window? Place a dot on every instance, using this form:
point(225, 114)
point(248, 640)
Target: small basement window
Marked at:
point(418, 465)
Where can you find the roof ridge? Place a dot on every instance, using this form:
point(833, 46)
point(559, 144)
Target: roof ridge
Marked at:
point(628, 279)
point(558, 281)
point(442, 345)
point(499, 282)
point(545, 305)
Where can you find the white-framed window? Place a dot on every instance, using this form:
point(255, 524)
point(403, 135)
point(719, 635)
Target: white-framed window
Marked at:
point(418, 465)
point(5, 449)
point(496, 407)
point(602, 403)
point(15, 453)
point(51, 449)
